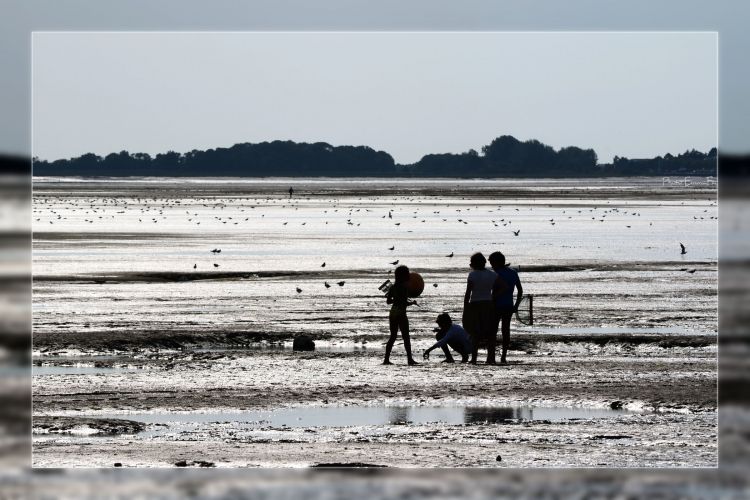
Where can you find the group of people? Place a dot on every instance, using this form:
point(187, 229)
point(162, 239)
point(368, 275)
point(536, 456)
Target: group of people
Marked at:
point(488, 307)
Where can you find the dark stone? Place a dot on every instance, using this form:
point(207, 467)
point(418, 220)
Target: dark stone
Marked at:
point(181, 463)
point(118, 464)
point(616, 405)
point(303, 343)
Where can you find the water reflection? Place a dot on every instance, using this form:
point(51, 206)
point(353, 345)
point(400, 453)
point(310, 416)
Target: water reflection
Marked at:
point(398, 415)
point(495, 415)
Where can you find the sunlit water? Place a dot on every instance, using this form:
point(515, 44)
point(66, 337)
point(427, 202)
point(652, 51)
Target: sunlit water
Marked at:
point(627, 271)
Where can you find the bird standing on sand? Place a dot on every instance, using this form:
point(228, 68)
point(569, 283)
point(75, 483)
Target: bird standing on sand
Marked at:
point(392, 248)
point(326, 284)
point(451, 255)
point(216, 265)
point(195, 266)
point(683, 251)
point(341, 283)
point(395, 262)
point(516, 233)
point(299, 290)
point(323, 264)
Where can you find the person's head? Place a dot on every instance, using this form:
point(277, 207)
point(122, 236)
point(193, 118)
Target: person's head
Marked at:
point(497, 260)
point(401, 274)
point(477, 261)
point(444, 320)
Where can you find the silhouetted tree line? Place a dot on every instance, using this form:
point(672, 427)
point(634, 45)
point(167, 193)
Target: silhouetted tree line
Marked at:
point(505, 156)
point(688, 163)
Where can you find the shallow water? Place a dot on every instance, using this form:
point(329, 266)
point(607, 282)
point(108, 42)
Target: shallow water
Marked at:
point(376, 415)
point(40, 371)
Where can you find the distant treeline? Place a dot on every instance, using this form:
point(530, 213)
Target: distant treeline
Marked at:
point(505, 156)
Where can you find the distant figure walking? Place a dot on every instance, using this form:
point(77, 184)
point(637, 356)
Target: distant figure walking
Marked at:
point(291, 192)
point(449, 334)
point(398, 297)
point(479, 317)
point(502, 294)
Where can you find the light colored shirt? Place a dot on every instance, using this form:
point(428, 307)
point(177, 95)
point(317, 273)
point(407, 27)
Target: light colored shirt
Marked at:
point(482, 282)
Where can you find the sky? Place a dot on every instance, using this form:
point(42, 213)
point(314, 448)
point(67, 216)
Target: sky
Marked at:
point(410, 94)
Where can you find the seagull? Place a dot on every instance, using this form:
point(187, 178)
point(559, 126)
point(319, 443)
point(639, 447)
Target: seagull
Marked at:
point(323, 264)
point(394, 262)
point(299, 290)
point(341, 283)
point(195, 266)
point(515, 233)
point(451, 255)
point(326, 284)
point(216, 265)
point(683, 251)
point(691, 271)
point(392, 248)
point(435, 285)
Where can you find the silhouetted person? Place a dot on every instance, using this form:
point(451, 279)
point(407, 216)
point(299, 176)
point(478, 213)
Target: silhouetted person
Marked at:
point(450, 335)
point(291, 192)
point(398, 297)
point(479, 317)
point(502, 295)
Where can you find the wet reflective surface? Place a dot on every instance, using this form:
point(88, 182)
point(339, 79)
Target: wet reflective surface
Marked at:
point(377, 415)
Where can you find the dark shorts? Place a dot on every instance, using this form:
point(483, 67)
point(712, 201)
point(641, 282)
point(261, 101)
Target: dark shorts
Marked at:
point(504, 311)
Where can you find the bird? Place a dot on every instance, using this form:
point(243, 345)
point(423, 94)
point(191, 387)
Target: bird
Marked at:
point(516, 233)
point(691, 271)
point(326, 284)
point(451, 255)
point(392, 248)
point(216, 265)
point(341, 283)
point(195, 266)
point(323, 264)
point(395, 262)
point(435, 285)
point(299, 290)
point(683, 250)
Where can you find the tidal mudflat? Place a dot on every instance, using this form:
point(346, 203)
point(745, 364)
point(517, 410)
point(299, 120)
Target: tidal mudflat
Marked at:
point(152, 348)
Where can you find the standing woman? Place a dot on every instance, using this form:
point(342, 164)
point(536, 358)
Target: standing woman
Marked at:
point(479, 316)
point(398, 297)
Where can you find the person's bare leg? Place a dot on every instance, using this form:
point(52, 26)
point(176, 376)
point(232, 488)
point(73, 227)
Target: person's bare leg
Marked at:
point(448, 356)
point(393, 324)
point(505, 328)
point(491, 342)
point(404, 325)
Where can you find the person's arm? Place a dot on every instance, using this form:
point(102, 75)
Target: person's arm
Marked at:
point(439, 343)
point(519, 295)
point(389, 296)
point(467, 295)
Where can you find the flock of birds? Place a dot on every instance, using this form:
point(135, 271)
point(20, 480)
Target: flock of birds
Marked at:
point(109, 211)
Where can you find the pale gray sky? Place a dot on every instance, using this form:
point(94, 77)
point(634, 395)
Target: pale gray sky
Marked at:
point(632, 94)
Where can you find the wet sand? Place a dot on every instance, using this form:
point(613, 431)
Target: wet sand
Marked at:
point(638, 334)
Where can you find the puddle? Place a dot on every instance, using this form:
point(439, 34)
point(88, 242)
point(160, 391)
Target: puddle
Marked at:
point(37, 371)
point(379, 415)
point(617, 330)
